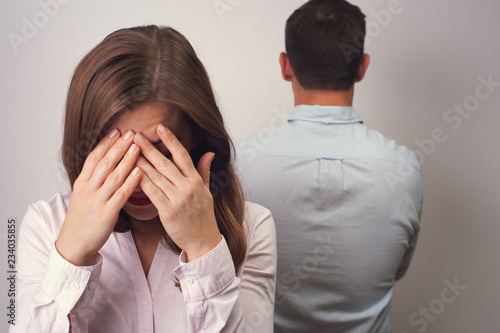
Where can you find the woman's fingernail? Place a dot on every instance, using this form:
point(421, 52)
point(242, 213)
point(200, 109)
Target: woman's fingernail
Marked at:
point(162, 129)
point(140, 138)
point(135, 172)
point(132, 148)
point(113, 133)
point(128, 135)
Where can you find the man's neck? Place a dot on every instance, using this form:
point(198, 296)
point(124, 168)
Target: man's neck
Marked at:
point(322, 97)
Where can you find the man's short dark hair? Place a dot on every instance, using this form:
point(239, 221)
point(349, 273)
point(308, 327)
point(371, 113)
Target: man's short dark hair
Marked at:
point(325, 44)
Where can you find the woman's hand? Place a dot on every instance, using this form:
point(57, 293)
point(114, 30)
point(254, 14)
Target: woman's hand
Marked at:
point(100, 191)
point(180, 193)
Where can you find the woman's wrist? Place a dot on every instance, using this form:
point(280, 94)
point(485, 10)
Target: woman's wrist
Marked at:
point(75, 256)
point(205, 248)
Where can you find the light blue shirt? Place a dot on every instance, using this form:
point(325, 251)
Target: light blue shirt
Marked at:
point(346, 202)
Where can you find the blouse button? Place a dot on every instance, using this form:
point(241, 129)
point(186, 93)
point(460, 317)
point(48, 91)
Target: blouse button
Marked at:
point(189, 280)
point(144, 301)
point(92, 285)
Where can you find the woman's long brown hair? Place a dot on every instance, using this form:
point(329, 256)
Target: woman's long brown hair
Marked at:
point(151, 63)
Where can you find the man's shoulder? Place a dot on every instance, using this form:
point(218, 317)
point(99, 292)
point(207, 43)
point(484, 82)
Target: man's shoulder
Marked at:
point(340, 142)
point(388, 148)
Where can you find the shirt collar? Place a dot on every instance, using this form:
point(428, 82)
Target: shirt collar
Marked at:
point(325, 114)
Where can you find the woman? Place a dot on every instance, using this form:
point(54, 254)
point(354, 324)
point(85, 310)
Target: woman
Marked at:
point(145, 241)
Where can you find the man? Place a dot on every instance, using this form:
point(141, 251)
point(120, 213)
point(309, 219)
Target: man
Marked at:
point(346, 200)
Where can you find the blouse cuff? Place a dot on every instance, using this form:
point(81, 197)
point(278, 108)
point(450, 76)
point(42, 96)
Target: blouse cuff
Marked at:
point(208, 275)
point(66, 283)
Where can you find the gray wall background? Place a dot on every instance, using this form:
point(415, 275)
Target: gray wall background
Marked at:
point(425, 88)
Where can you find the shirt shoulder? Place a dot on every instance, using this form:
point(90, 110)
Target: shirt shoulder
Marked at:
point(48, 214)
point(255, 215)
point(390, 148)
point(315, 140)
point(259, 225)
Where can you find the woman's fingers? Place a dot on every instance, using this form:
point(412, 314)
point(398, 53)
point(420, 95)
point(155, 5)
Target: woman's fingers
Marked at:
point(117, 177)
point(153, 192)
point(203, 167)
point(109, 161)
point(98, 153)
point(181, 156)
point(123, 193)
point(156, 178)
point(166, 167)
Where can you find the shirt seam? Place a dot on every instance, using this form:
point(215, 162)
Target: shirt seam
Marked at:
point(340, 158)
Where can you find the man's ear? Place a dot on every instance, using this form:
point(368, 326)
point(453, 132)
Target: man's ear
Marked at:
point(363, 67)
point(286, 70)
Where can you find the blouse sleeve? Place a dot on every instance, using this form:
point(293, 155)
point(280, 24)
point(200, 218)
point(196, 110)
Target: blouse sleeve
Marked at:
point(217, 299)
point(51, 290)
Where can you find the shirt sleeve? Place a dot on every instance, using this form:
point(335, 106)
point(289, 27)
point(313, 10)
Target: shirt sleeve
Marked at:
point(217, 300)
point(258, 285)
point(415, 213)
point(51, 290)
point(405, 263)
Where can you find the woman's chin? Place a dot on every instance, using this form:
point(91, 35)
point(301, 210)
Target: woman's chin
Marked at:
point(144, 213)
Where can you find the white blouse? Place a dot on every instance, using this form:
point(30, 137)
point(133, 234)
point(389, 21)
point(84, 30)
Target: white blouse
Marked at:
point(114, 295)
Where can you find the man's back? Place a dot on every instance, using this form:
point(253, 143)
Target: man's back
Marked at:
point(346, 202)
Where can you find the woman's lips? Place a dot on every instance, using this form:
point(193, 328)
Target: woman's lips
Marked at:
point(144, 201)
